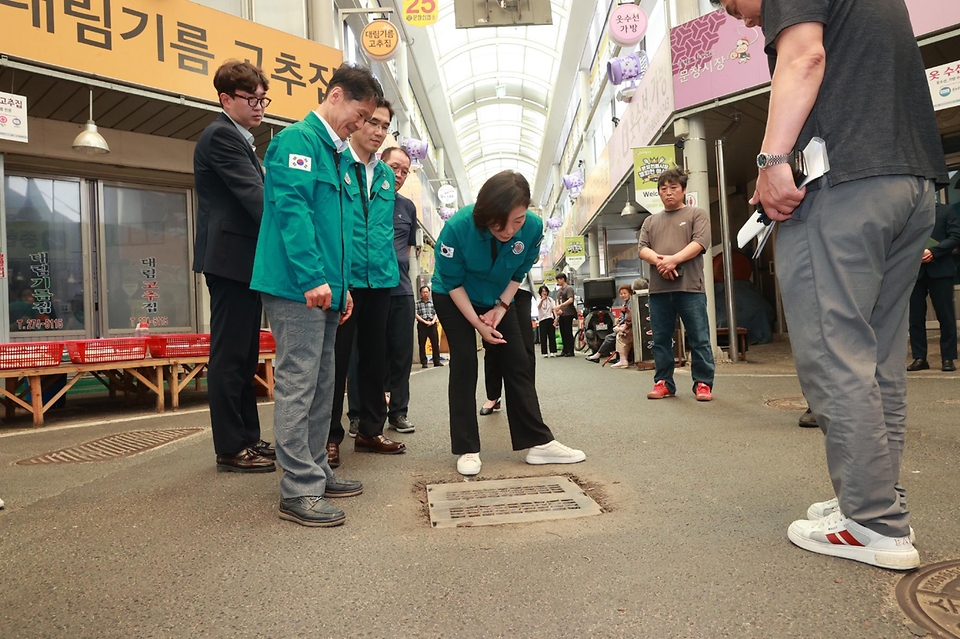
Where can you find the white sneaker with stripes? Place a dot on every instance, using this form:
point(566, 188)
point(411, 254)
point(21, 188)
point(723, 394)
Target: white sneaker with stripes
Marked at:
point(841, 536)
point(821, 509)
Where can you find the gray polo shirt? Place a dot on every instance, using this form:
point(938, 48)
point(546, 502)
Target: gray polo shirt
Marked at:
point(668, 233)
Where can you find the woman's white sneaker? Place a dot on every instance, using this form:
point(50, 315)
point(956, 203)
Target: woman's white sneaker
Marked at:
point(841, 536)
point(469, 464)
point(554, 453)
point(821, 509)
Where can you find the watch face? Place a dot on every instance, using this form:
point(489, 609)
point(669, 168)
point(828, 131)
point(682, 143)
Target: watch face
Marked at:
point(762, 160)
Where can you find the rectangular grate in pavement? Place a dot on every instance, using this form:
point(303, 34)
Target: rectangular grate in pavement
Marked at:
point(111, 447)
point(507, 501)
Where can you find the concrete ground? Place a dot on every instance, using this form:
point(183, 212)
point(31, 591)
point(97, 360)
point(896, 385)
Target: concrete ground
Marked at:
point(693, 543)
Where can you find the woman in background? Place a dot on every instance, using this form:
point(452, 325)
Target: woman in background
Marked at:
point(548, 334)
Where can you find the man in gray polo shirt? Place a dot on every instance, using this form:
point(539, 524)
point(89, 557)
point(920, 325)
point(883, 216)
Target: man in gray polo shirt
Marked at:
point(849, 246)
point(673, 243)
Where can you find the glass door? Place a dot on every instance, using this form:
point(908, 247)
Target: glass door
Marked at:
point(145, 259)
point(46, 263)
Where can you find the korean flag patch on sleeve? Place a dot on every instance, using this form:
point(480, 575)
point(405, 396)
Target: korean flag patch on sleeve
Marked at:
point(446, 251)
point(300, 162)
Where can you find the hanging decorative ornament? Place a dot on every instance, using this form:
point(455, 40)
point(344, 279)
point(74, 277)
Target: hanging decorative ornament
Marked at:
point(446, 212)
point(554, 223)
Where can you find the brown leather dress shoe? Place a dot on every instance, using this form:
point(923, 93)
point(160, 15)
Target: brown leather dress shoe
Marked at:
point(333, 454)
point(246, 461)
point(379, 444)
point(265, 449)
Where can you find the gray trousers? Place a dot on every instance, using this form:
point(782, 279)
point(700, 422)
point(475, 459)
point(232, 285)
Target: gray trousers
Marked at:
point(846, 265)
point(303, 393)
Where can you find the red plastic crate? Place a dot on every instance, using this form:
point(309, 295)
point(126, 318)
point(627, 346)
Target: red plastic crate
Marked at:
point(179, 345)
point(118, 349)
point(30, 355)
point(267, 343)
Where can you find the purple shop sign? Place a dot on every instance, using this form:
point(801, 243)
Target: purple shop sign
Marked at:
point(713, 56)
point(929, 16)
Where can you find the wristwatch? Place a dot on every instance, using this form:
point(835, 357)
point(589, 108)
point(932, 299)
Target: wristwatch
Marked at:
point(500, 302)
point(765, 160)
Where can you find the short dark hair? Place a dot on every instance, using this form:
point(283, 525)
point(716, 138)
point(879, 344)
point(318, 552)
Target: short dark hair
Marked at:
point(424, 287)
point(234, 74)
point(498, 196)
point(562, 276)
point(625, 287)
point(357, 83)
point(389, 151)
point(543, 287)
point(673, 176)
point(386, 104)
point(717, 4)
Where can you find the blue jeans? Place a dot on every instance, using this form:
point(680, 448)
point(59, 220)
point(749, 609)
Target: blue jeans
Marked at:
point(692, 309)
point(303, 393)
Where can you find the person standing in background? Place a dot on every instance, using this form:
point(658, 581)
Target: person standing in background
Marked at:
point(566, 312)
point(548, 336)
point(229, 182)
point(427, 328)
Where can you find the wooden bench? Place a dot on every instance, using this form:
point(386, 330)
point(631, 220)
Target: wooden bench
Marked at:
point(741, 341)
point(140, 376)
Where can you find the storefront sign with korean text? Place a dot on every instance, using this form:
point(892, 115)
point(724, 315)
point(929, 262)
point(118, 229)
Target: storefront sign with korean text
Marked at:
point(944, 83)
point(174, 46)
point(420, 13)
point(13, 117)
point(576, 250)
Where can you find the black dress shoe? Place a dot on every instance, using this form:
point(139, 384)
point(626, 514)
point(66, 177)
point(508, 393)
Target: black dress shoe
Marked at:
point(918, 365)
point(948, 366)
point(246, 461)
point(436, 364)
point(311, 511)
point(807, 420)
point(337, 487)
point(487, 411)
point(333, 454)
point(265, 449)
point(379, 444)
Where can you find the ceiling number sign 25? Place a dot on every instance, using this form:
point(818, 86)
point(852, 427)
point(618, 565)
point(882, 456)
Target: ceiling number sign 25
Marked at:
point(420, 13)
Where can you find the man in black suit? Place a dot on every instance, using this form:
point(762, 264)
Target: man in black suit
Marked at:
point(229, 180)
point(937, 273)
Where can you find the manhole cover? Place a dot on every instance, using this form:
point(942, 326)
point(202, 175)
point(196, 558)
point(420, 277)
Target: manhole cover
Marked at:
point(788, 403)
point(507, 501)
point(931, 598)
point(111, 447)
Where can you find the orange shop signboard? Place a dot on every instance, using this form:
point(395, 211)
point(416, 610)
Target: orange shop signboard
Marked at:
point(174, 46)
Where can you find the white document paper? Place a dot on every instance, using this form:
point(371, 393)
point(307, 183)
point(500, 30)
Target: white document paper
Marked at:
point(816, 164)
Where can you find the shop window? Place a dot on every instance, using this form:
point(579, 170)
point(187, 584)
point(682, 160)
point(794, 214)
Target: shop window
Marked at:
point(44, 261)
point(145, 259)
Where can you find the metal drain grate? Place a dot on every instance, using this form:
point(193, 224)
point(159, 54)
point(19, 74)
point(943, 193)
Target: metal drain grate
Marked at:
point(111, 447)
point(788, 403)
point(507, 501)
point(931, 597)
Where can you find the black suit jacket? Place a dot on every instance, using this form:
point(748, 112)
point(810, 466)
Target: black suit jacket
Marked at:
point(946, 230)
point(229, 181)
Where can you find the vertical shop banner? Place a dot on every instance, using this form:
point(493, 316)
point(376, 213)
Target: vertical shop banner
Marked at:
point(576, 251)
point(420, 13)
point(13, 117)
point(648, 163)
point(927, 16)
point(944, 83)
point(171, 45)
point(550, 277)
point(715, 55)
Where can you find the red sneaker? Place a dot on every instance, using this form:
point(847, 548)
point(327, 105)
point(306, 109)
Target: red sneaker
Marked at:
point(659, 391)
point(702, 392)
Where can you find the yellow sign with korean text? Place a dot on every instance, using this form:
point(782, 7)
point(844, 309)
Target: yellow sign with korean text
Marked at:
point(420, 13)
point(550, 277)
point(174, 46)
point(380, 40)
point(648, 163)
point(576, 251)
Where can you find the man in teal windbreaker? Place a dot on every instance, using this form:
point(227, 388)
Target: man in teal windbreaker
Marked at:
point(302, 269)
point(374, 272)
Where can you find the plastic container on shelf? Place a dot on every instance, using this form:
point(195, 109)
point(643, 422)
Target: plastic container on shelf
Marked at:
point(118, 349)
point(142, 330)
point(179, 345)
point(267, 343)
point(30, 355)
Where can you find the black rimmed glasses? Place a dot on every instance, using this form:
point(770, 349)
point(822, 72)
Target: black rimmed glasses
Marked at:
point(253, 100)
